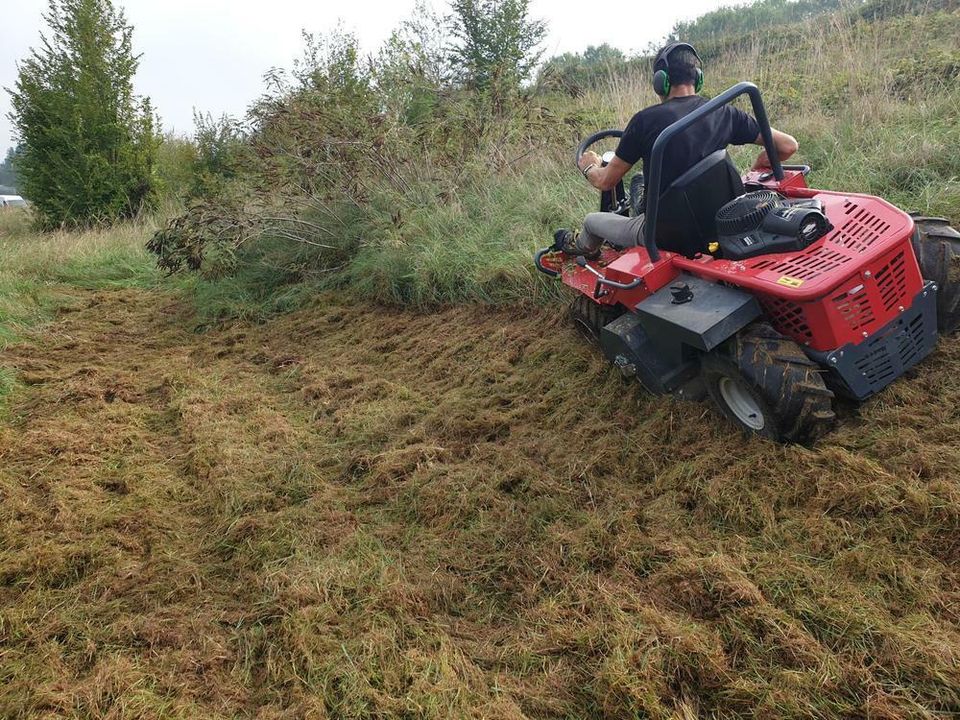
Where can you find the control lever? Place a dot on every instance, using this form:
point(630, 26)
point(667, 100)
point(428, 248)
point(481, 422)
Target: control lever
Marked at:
point(601, 278)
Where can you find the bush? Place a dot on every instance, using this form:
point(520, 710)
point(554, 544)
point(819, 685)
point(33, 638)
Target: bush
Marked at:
point(925, 72)
point(176, 166)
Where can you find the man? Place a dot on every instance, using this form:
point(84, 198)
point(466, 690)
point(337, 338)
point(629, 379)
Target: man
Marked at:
point(678, 77)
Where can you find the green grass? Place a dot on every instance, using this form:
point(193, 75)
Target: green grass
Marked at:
point(881, 121)
point(418, 250)
point(476, 247)
point(37, 267)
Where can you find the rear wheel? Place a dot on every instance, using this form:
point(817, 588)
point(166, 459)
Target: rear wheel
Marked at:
point(767, 385)
point(589, 317)
point(937, 247)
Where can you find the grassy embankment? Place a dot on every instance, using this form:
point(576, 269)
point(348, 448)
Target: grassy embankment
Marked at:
point(873, 113)
point(355, 512)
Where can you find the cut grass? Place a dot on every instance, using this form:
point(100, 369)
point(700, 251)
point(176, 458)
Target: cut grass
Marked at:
point(360, 512)
point(36, 267)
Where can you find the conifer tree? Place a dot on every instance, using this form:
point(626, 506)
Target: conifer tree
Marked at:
point(88, 142)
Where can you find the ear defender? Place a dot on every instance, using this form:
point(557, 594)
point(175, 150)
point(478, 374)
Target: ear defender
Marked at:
point(661, 83)
point(661, 78)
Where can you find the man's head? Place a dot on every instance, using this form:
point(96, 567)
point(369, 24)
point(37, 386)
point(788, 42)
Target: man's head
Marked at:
point(675, 65)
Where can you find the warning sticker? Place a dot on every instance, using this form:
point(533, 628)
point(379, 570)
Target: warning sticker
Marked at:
point(790, 281)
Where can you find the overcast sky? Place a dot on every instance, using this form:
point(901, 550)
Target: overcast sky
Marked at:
point(211, 54)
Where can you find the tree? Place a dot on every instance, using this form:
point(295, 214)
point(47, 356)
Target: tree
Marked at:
point(219, 148)
point(8, 171)
point(575, 73)
point(89, 144)
point(496, 45)
point(413, 68)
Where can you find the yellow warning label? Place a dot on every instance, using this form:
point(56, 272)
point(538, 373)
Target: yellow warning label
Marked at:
point(790, 281)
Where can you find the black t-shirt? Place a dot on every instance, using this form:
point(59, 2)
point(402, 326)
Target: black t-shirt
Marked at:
point(726, 126)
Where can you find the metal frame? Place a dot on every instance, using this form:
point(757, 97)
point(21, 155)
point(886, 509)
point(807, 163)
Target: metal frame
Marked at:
point(660, 146)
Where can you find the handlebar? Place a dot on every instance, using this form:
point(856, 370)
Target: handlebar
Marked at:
point(602, 279)
point(540, 266)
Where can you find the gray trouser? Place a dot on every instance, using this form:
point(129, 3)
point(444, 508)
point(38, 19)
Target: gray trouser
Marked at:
point(617, 230)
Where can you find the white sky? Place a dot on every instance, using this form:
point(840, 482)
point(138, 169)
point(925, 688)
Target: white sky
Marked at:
point(211, 54)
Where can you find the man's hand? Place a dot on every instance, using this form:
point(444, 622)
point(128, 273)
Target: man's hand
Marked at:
point(762, 163)
point(589, 158)
point(603, 178)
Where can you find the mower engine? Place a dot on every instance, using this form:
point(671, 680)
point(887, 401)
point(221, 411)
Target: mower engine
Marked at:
point(764, 222)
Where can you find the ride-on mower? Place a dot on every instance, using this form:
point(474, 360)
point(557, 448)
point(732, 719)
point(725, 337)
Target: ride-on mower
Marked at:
point(770, 296)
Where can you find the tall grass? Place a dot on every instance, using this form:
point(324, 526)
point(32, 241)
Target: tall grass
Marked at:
point(872, 113)
point(37, 267)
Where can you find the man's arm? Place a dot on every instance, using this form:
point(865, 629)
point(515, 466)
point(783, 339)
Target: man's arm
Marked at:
point(786, 146)
point(603, 178)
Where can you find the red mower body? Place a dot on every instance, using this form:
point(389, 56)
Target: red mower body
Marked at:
point(854, 300)
point(770, 311)
point(839, 291)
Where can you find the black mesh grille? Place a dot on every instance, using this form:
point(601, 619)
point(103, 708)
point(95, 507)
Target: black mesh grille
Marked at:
point(787, 317)
point(869, 367)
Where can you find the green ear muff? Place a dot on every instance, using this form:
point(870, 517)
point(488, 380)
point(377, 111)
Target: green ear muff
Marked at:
point(661, 78)
point(661, 83)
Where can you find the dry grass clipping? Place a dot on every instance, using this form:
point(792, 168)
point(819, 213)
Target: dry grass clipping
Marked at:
point(354, 512)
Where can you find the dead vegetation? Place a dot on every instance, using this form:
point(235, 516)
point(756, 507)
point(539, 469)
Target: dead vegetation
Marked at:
point(359, 512)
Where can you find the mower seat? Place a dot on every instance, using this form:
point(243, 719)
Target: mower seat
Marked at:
point(688, 208)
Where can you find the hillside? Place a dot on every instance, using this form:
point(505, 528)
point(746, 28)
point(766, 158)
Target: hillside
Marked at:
point(355, 511)
point(423, 197)
point(356, 464)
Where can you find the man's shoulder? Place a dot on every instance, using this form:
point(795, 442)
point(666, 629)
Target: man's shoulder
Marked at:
point(646, 112)
point(664, 110)
point(642, 117)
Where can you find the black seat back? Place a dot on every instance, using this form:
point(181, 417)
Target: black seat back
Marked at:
point(688, 208)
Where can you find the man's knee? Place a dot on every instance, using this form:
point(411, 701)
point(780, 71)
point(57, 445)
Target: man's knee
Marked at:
point(601, 223)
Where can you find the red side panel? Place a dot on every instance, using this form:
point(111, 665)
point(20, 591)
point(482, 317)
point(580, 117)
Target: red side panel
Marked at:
point(622, 266)
point(843, 287)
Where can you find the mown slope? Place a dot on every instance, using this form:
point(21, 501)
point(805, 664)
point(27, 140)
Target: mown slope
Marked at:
point(361, 512)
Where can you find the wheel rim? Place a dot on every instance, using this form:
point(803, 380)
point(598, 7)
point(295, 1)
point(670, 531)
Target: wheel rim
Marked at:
point(741, 403)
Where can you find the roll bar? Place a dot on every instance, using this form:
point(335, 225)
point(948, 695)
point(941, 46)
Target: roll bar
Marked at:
point(660, 146)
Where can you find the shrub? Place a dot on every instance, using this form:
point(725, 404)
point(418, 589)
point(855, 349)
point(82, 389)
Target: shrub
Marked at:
point(925, 72)
point(176, 166)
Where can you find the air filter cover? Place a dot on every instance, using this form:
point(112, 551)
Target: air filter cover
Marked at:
point(745, 213)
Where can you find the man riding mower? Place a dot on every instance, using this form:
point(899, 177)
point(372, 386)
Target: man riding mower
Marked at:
point(768, 295)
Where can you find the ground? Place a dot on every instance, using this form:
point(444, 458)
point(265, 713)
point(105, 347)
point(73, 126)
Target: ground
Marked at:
point(355, 511)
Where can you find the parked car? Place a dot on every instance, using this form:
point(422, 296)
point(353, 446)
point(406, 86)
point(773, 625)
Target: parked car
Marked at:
point(12, 201)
